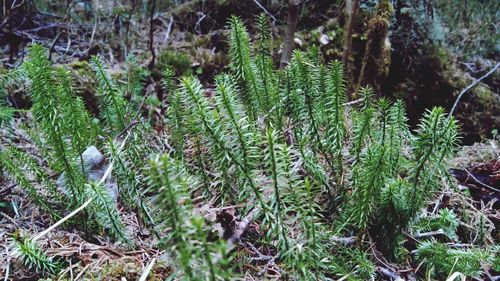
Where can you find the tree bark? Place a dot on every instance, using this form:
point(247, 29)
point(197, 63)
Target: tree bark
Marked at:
point(293, 17)
point(151, 33)
point(377, 59)
point(352, 7)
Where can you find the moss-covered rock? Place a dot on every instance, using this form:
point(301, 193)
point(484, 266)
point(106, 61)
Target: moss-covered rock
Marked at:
point(479, 109)
point(85, 84)
point(177, 61)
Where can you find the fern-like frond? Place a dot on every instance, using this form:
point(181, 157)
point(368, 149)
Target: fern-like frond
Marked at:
point(336, 129)
point(234, 116)
point(399, 135)
point(275, 162)
point(168, 179)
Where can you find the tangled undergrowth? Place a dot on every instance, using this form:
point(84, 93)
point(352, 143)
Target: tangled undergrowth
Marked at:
point(321, 188)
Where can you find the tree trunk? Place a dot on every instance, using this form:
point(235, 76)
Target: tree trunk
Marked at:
point(351, 9)
point(293, 17)
point(151, 33)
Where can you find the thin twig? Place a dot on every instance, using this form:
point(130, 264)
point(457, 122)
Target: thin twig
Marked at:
point(169, 29)
point(7, 272)
point(96, 20)
point(82, 272)
point(54, 42)
point(41, 234)
point(266, 11)
point(480, 182)
point(151, 34)
point(472, 85)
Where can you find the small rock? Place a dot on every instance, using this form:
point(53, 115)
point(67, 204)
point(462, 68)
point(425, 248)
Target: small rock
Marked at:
point(92, 157)
point(324, 39)
point(95, 167)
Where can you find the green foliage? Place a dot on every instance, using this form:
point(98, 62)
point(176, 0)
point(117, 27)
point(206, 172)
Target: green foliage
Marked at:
point(105, 211)
point(58, 113)
point(296, 121)
point(180, 63)
point(445, 221)
point(14, 165)
point(472, 22)
point(112, 102)
point(33, 257)
point(187, 238)
point(62, 130)
point(135, 78)
point(444, 261)
point(282, 145)
point(6, 112)
point(243, 68)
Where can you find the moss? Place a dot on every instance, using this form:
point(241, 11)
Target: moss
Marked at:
point(444, 56)
point(484, 95)
point(177, 61)
point(479, 109)
point(202, 41)
point(3, 71)
point(84, 84)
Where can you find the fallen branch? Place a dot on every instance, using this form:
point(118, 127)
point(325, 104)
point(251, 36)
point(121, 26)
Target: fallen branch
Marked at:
point(480, 182)
point(389, 273)
point(472, 85)
point(346, 241)
point(429, 234)
point(169, 29)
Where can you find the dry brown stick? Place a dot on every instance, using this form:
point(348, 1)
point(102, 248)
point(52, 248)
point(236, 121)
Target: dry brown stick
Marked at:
point(352, 7)
point(54, 42)
point(389, 273)
point(129, 19)
point(96, 20)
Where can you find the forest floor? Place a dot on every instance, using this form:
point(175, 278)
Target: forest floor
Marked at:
point(201, 35)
